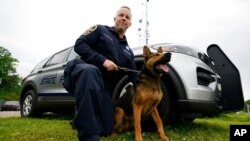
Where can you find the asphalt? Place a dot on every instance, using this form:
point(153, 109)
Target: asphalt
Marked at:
point(8, 114)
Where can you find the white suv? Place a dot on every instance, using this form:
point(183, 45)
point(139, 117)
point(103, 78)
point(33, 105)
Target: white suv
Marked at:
point(197, 84)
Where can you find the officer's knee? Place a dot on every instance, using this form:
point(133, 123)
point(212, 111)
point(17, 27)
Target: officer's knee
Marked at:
point(88, 69)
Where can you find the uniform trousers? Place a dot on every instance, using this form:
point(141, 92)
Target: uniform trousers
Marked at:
point(94, 105)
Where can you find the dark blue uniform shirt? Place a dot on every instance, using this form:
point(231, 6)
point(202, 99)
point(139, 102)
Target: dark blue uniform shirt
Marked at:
point(102, 42)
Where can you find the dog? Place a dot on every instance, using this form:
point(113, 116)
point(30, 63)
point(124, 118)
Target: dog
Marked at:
point(146, 95)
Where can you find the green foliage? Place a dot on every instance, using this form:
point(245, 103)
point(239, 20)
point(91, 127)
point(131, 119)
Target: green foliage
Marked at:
point(245, 105)
point(248, 102)
point(10, 81)
point(7, 94)
point(7, 62)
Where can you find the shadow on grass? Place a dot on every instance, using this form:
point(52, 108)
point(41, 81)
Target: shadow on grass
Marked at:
point(56, 116)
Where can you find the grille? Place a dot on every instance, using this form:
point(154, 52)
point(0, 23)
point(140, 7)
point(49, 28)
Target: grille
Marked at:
point(204, 77)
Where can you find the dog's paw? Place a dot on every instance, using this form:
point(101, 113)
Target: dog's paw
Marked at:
point(165, 138)
point(138, 138)
point(114, 134)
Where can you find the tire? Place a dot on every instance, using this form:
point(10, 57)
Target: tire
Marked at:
point(164, 107)
point(121, 88)
point(28, 105)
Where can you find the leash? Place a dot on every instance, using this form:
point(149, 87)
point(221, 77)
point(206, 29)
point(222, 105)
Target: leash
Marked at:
point(127, 69)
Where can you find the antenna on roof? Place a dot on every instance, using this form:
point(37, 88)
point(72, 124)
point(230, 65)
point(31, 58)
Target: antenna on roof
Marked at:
point(144, 23)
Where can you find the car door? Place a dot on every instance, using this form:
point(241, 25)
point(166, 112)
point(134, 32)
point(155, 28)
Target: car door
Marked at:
point(52, 75)
point(232, 94)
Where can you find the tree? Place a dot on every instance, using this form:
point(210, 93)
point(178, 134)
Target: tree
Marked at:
point(247, 102)
point(9, 78)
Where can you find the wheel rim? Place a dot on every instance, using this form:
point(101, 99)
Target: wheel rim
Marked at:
point(27, 105)
point(125, 88)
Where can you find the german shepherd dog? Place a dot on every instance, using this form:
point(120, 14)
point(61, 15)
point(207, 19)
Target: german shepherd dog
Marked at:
point(147, 94)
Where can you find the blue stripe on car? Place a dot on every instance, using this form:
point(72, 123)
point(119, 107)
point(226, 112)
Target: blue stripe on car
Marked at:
point(54, 94)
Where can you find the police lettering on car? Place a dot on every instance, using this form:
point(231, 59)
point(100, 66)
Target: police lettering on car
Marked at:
point(49, 79)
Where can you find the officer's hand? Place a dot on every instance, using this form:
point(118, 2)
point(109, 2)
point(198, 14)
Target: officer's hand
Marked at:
point(109, 65)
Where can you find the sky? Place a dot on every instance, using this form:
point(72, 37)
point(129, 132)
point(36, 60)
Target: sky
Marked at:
point(35, 29)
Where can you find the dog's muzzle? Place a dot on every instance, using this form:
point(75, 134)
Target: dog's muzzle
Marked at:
point(161, 66)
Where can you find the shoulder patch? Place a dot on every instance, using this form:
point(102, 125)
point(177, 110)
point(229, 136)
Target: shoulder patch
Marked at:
point(90, 30)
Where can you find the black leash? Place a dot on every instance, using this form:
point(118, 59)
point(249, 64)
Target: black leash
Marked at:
point(127, 69)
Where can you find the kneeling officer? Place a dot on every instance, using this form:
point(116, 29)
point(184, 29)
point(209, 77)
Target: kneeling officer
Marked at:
point(92, 79)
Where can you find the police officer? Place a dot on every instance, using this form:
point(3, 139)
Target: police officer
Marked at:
point(102, 49)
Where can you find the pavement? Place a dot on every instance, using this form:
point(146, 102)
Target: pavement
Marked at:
point(9, 109)
point(8, 114)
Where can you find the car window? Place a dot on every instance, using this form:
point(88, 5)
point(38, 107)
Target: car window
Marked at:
point(72, 54)
point(40, 65)
point(58, 58)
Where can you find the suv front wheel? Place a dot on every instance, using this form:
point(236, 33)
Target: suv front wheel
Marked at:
point(27, 104)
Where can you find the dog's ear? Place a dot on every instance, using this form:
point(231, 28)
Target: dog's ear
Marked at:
point(159, 50)
point(146, 51)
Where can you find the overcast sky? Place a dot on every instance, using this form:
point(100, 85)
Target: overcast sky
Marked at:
point(34, 29)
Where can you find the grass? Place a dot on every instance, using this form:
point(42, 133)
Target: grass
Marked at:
point(58, 129)
point(32, 129)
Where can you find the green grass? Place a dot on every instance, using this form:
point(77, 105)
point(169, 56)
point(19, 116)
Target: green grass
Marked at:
point(31, 129)
point(58, 129)
point(201, 129)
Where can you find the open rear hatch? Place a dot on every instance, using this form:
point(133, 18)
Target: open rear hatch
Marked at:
point(232, 94)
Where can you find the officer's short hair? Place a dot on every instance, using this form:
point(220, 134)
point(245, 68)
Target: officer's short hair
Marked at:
point(126, 7)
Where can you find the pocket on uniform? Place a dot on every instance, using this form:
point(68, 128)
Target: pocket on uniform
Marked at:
point(126, 54)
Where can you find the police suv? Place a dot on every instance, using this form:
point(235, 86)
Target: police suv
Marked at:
point(197, 84)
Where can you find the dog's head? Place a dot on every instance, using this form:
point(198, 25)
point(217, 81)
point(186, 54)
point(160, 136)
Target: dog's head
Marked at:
point(156, 63)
